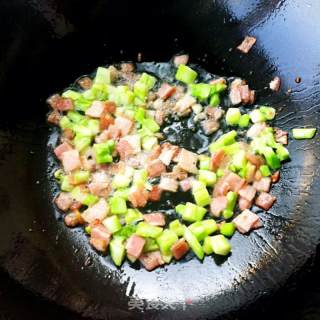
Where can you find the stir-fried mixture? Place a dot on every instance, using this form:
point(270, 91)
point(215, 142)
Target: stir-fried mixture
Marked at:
point(115, 160)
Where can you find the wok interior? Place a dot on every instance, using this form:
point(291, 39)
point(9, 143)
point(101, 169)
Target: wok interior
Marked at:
point(48, 45)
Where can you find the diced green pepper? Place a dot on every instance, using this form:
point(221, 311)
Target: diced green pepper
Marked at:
point(140, 114)
point(177, 227)
point(207, 177)
point(220, 245)
point(204, 162)
point(239, 160)
point(71, 94)
point(303, 133)
point(82, 104)
point(224, 140)
point(244, 121)
point(207, 246)
point(282, 152)
point(148, 80)
point(103, 151)
point(103, 76)
point(151, 125)
point(112, 224)
point(265, 171)
point(148, 143)
point(132, 216)
point(65, 184)
point(117, 250)
point(80, 176)
point(90, 200)
point(233, 116)
point(200, 91)
point(201, 196)
point(191, 212)
point(146, 230)
point(257, 116)
point(81, 142)
point(75, 116)
point(231, 202)
point(186, 74)
point(118, 205)
point(227, 229)
point(268, 112)
point(166, 240)
point(150, 245)
point(218, 87)
point(193, 243)
point(271, 158)
point(214, 100)
point(65, 123)
point(120, 181)
point(198, 230)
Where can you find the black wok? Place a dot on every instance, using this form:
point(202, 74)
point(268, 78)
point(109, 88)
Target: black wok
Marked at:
point(45, 45)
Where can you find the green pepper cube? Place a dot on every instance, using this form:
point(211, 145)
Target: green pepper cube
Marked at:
point(192, 212)
point(150, 245)
point(166, 240)
point(224, 140)
point(201, 197)
point(282, 152)
point(151, 125)
point(147, 230)
point(71, 94)
point(117, 250)
point(303, 133)
point(214, 100)
point(117, 205)
point(112, 224)
point(193, 243)
point(132, 216)
point(228, 229)
point(207, 177)
point(244, 121)
point(268, 112)
point(200, 90)
point(204, 162)
point(177, 227)
point(148, 80)
point(103, 76)
point(257, 116)
point(210, 226)
point(90, 200)
point(186, 74)
point(220, 245)
point(103, 151)
point(233, 116)
point(265, 171)
point(81, 176)
point(207, 246)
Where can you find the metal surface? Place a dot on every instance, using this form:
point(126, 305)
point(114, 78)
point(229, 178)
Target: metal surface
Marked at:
point(47, 44)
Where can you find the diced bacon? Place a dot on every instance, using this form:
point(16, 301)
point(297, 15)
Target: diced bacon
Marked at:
point(179, 249)
point(139, 197)
point(109, 106)
point(214, 113)
point(76, 205)
point(60, 149)
point(255, 159)
point(218, 81)
point(248, 192)
point(134, 246)
point(210, 126)
point(177, 173)
point(96, 109)
point(246, 44)
point(255, 130)
point(246, 221)
point(183, 105)
point(245, 93)
point(137, 161)
point(151, 260)
point(100, 237)
point(168, 184)
point(85, 83)
point(217, 205)
point(165, 91)
point(217, 158)
point(250, 174)
point(71, 160)
point(168, 152)
point(235, 96)
point(100, 184)
point(65, 104)
point(67, 135)
point(124, 149)
point(127, 67)
point(265, 200)
point(252, 96)
point(63, 201)
point(275, 84)
point(263, 185)
point(125, 125)
point(97, 212)
point(73, 219)
point(186, 184)
point(155, 194)
point(258, 175)
point(244, 204)
point(235, 182)
point(159, 116)
point(106, 120)
point(134, 141)
point(181, 59)
point(54, 117)
point(281, 136)
point(155, 219)
point(221, 188)
point(188, 161)
point(155, 153)
point(275, 177)
point(155, 168)
point(113, 132)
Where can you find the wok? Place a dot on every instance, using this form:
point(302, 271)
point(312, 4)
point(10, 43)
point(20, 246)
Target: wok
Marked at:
point(47, 44)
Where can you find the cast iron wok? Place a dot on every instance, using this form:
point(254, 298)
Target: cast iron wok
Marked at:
point(45, 45)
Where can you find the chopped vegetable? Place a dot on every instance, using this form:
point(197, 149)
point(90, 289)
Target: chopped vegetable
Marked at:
point(186, 74)
point(303, 133)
